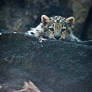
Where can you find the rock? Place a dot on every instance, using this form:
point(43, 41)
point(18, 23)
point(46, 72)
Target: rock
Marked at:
point(80, 12)
point(53, 66)
point(29, 87)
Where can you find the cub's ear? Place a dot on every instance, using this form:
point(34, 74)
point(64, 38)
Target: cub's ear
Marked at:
point(45, 19)
point(70, 20)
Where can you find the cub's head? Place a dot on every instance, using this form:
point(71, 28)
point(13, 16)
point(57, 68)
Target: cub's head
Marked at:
point(57, 25)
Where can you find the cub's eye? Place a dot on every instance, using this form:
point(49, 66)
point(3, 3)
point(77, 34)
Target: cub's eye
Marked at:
point(62, 30)
point(51, 29)
point(62, 25)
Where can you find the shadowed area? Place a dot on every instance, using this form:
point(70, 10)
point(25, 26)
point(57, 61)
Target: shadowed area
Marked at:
point(53, 66)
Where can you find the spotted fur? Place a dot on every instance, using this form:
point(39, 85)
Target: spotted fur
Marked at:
point(57, 27)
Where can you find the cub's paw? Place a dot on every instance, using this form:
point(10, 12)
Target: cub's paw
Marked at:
point(42, 40)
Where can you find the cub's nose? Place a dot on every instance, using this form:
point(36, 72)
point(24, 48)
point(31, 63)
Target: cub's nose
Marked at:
point(32, 33)
point(57, 37)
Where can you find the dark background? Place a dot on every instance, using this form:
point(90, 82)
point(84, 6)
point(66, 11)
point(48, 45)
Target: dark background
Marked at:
point(20, 15)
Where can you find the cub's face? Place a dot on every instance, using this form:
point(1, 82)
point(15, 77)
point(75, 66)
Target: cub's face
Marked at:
point(57, 26)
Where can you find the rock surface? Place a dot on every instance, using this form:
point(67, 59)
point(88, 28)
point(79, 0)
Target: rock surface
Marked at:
point(53, 66)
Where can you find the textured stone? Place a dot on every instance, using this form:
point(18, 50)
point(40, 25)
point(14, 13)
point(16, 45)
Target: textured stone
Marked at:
point(53, 66)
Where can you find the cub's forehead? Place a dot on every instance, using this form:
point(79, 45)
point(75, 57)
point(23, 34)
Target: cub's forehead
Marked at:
point(57, 19)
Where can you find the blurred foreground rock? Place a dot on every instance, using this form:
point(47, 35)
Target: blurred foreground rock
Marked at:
point(53, 66)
